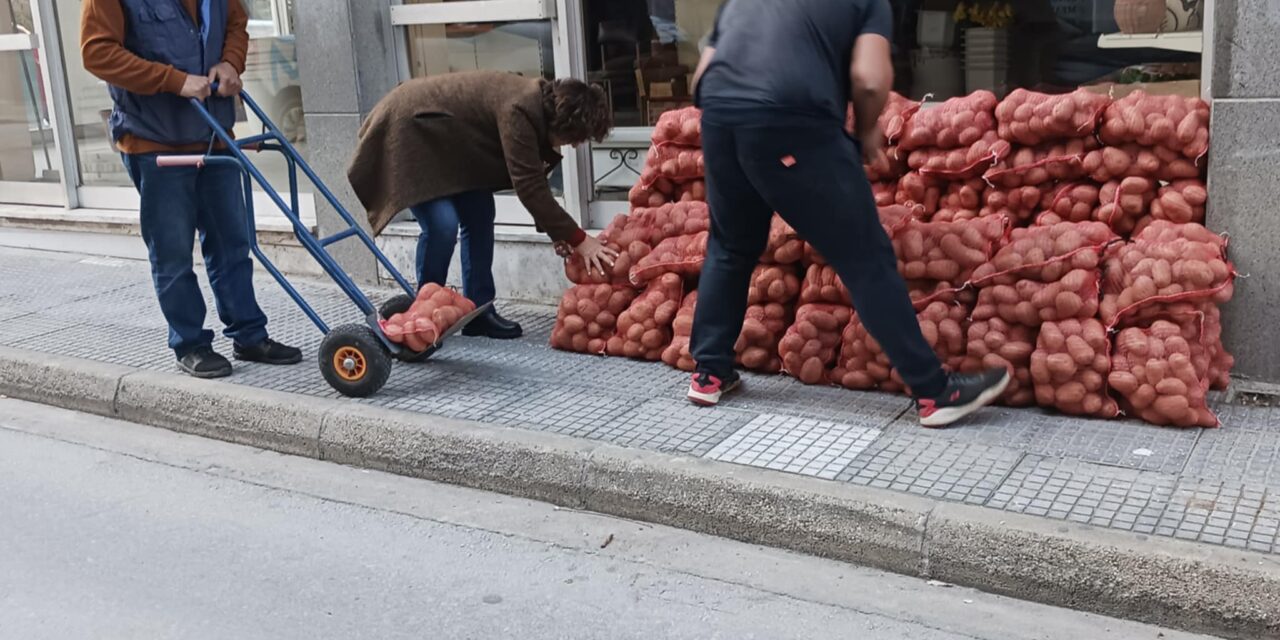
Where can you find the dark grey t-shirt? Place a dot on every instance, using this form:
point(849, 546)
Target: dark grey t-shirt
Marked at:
point(787, 59)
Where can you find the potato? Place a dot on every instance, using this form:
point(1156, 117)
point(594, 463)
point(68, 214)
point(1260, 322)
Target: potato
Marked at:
point(1069, 365)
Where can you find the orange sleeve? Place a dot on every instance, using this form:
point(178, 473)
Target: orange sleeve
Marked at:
point(102, 32)
point(235, 46)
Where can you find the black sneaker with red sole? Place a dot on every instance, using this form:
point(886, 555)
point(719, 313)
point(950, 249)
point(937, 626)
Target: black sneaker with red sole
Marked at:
point(963, 395)
point(705, 390)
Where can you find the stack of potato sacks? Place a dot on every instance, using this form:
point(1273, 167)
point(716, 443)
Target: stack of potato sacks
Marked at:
point(1059, 236)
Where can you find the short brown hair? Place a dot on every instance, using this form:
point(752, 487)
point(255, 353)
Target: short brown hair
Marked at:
point(577, 111)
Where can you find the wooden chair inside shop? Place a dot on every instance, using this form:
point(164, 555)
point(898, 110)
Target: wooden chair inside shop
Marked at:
point(663, 82)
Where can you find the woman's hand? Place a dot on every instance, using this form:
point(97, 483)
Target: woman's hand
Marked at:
point(597, 256)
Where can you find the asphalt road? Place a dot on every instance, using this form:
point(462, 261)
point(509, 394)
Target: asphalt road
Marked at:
point(113, 530)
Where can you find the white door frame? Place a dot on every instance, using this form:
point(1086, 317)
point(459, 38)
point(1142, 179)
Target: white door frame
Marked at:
point(50, 61)
point(559, 14)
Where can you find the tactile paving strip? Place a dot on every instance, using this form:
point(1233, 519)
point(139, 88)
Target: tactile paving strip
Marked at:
point(1223, 513)
point(1085, 492)
point(965, 472)
point(796, 445)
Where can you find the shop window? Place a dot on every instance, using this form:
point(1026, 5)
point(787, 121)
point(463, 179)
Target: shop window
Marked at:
point(27, 151)
point(270, 77)
point(523, 48)
point(643, 53)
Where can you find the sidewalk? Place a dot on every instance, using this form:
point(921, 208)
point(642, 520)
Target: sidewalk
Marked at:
point(1215, 487)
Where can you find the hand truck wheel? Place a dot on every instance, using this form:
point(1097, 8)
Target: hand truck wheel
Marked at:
point(354, 361)
point(401, 304)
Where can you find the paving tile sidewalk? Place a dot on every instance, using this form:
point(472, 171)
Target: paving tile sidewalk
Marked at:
point(1212, 486)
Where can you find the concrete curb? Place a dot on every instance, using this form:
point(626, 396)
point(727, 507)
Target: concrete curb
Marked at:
point(1162, 581)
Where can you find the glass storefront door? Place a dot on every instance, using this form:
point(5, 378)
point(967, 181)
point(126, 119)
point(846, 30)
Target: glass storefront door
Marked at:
point(30, 167)
point(517, 36)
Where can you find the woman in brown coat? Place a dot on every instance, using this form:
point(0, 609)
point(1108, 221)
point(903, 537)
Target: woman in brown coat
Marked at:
point(441, 146)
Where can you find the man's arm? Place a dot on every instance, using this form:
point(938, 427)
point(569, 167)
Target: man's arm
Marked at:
point(871, 74)
point(703, 63)
point(102, 33)
point(235, 48)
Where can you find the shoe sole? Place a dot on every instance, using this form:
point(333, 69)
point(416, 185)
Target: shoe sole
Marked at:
point(949, 415)
point(711, 399)
point(205, 375)
point(285, 361)
point(481, 334)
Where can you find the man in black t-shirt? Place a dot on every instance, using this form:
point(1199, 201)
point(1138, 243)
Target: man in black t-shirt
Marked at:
point(774, 84)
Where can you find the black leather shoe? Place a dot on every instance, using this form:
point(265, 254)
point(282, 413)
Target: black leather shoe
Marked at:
point(492, 325)
point(205, 363)
point(269, 352)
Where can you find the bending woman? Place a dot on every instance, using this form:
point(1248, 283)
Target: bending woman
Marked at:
point(441, 146)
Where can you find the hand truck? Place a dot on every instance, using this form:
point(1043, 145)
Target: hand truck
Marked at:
point(355, 359)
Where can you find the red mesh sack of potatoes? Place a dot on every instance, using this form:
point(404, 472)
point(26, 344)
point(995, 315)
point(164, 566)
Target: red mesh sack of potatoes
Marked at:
point(677, 353)
point(588, 317)
point(682, 127)
point(884, 192)
point(1046, 254)
point(946, 251)
point(1180, 202)
point(785, 245)
point(677, 164)
point(691, 191)
point(1031, 118)
point(622, 235)
point(1131, 160)
point(813, 340)
point(958, 122)
point(1154, 373)
point(822, 284)
point(1175, 123)
point(433, 312)
point(773, 283)
point(1164, 265)
point(1069, 368)
point(652, 190)
point(962, 163)
point(863, 365)
point(1201, 321)
point(656, 224)
point(1070, 202)
point(960, 201)
point(762, 330)
point(915, 190)
point(994, 343)
point(681, 255)
point(1031, 303)
point(1125, 203)
point(1032, 166)
point(644, 329)
point(1018, 205)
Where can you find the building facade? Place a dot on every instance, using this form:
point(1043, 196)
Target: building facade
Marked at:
point(319, 67)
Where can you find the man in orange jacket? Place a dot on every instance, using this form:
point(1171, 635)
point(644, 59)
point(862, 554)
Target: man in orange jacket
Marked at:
point(156, 55)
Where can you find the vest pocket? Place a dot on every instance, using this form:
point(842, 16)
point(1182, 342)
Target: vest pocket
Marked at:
point(168, 34)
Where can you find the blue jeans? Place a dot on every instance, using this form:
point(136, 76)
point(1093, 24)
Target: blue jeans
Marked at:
point(821, 190)
point(178, 202)
point(440, 220)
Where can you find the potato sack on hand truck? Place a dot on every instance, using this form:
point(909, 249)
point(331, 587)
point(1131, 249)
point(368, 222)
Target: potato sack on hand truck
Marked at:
point(355, 359)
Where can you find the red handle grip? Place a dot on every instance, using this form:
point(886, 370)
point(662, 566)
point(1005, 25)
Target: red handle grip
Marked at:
point(180, 161)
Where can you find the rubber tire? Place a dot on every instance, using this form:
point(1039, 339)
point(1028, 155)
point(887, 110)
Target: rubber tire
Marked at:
point(377, 360)
point(401, 304)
